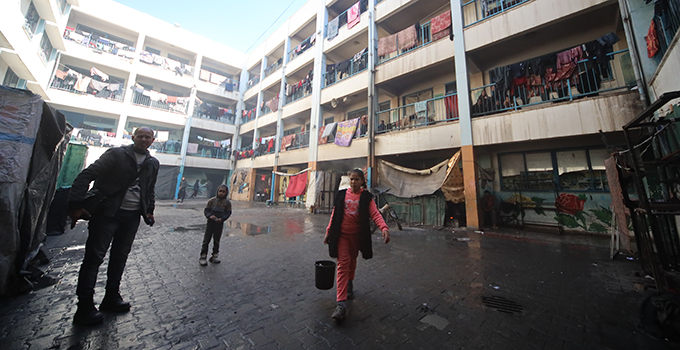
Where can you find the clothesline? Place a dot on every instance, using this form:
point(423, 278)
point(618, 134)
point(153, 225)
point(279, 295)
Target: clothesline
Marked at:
point(66, 69)
point(285, 174)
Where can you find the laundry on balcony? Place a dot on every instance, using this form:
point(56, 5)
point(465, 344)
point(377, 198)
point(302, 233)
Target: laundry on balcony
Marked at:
point(441, 26)
point(345, 133)
point(353, 15)
point(408, 38)
point(273, 104)
point(387, 45)
point(300, 89)
point(94, 71)
point(287, 141)
point(332, 31)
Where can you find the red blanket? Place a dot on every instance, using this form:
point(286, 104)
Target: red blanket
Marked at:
point(297, 185)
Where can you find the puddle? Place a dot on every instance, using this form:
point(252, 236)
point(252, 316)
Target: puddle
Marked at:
point(247, 228)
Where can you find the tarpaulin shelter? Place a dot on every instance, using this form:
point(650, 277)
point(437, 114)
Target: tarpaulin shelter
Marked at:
point(32, 146)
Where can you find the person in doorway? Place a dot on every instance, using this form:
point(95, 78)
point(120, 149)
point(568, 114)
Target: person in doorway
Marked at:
point(382, 126)
point(127, 177)
point(209, 188)
point(217, 211)
point(182, 190)
point(349, 232)
point(489, 207)
point(197, 185)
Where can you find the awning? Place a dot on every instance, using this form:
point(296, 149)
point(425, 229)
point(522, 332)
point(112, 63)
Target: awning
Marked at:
point(18, 66)
point(4, 43)
point(54, 34)
point(45, 10)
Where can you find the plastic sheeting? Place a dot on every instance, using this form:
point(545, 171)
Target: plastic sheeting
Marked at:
point(166, 182)
point(33, 140)
point(408, 183)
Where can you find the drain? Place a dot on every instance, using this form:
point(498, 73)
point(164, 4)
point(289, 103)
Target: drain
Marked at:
point(503, 305)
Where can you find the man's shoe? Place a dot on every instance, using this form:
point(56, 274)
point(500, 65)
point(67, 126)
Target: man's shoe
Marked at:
point(87, 314)
point(202, 260)
point(214, 259)
point(350, 290)
point(339, 313)
point(113, 302)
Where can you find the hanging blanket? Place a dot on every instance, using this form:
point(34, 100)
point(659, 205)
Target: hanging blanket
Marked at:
point(443, 34)
point(297, 185)
point(407, 38)
point(652, 40)
point(387, 45)
point(345, 132)
point(333, 28)
point(322, 140)
point(286, 141)
point(353, 15)
point(328, 129)
point(441, 22)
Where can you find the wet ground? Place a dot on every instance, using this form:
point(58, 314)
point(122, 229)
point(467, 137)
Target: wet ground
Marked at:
point(427, 289)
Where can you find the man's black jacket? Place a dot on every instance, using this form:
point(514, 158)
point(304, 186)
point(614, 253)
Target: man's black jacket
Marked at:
point(113, 171)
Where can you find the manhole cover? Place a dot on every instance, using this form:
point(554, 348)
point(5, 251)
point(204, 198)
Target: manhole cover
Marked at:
point(503, 305)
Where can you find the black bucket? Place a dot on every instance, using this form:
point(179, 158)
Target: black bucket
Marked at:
point(325, 274)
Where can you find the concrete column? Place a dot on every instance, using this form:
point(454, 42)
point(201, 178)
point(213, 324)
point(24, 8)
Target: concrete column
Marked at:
point(279, 122)
point(131, 81)
point(463, 86)
point(316, 118)
point(372, 96)
point(260, 99)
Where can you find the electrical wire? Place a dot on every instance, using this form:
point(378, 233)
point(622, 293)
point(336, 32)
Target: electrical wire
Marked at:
point(270, 26)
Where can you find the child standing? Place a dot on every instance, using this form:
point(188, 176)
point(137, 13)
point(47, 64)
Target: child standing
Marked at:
point(218, 210)
point(348, 233)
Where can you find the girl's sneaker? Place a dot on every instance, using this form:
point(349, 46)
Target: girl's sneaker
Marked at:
point(202, 260)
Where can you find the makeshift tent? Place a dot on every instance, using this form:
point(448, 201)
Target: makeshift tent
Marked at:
point(31, 153)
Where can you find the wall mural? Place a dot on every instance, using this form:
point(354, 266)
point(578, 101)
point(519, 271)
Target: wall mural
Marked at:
point(583, 212)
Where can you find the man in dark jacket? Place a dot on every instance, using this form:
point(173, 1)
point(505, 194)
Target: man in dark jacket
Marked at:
point(125, 177)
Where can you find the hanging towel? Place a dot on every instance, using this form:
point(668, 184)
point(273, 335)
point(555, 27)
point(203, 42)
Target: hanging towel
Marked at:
point(387, 45)
point(82, 83)
point(328, 130)
point(172, 99)
point(353, 15)
point(407, 38)
point(345, 133)
point(652, 41)
point(333, 28)
point(98, 85)
point(297, 185)
point(421, 109)
point(94, 71)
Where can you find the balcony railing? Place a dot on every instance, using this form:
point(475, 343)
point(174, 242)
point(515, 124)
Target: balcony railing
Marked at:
point(245, 152)
point(419, 114)
point(342, 17)
point(298, 95)
point(355, 66)
point(590, 81)
point(141, 100)
point(212, 152)
point(265, 110)
point(253, 81)
point(301, 140)
point(167, 147)
point(213, 112)
point(273, 68)
point(100, 45)
point(302, 47)
point(248, 115)
point(69, 86)
point(161, 62)
point(97, 138)
point(424, 38)
point(667, 24)
point(478, 10)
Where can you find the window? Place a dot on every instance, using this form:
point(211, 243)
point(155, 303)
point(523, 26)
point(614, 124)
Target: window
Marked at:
point(357, 113)
point(328, 120)
point(178, 59)
point(100, 34)
point(383, 106)
point(152, 50)
point(31, 20)
point(45, 48)
point(451, 88)
point(573, 170)
point(11, 79)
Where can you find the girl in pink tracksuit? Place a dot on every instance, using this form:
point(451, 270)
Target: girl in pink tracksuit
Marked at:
point(349, 232)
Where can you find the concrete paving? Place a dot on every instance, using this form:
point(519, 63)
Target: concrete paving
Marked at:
point(427, 289)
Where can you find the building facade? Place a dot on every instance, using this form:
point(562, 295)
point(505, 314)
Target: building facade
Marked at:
point(533, 93)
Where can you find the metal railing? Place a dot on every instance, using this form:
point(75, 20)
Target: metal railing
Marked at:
point(424, 38)
point(298, 95)
point(301, 141)
point(478, 10)
point(265, 110)
point(211, 152)
point(141, 100)
point(272, 69)
point(166, 63)
point(340, 18)
point(668, 23)
point(355, 67)
point(293, 54)
point(65, 86)
point(591, 80)
point(243, 149)
point(167, 147)
point(419, 114)
point(252, 82)
point(101, 45)
point(246, 118)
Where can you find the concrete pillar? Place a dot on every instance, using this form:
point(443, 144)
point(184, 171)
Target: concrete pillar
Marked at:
point(467, 144)
point(316, 117)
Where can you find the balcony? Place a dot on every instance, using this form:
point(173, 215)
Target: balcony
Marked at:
point(588, 80)
point(424, 37)
point(274, 67)
point(252, 82)
point(164, 63)
point(302, 47)
point(76, 83)
point(210, 111)
point(157, 100)
point(101, 45)
point(295, 141)
point(478, 10)
point(419, 114)
point(346, 69)
point(245, 152)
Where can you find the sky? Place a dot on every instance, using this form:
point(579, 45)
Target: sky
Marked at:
point(234, 23)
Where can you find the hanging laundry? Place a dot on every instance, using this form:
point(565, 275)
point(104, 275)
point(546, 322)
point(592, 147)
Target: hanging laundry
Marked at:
point(204, 75)
point(421, 109)
point(297, 185)
point(60, 74)
point(441, 22)
point(345, 132)
point(286, 141)
point(192, 147)
point(97, 85)
point(407, 38)
point(94, 71)
point(652, 40)
point(82, 83)
point(353, 15)
point(329, 129)
point(387, 45)
point(322, 140)
point(332, 31)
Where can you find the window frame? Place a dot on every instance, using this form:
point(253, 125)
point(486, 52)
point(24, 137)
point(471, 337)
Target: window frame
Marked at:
point(31, 28)
point(9, 74)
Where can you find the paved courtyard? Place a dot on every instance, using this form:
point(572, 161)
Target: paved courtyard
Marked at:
point(427, 289)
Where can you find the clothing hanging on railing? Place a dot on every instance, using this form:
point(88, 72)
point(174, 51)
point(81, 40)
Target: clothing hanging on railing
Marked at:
point(387, 45)
point(332, 31)
point(353, 15)
point(408, 38)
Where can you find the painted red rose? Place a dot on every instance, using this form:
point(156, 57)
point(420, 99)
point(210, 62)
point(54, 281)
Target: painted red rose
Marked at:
point(569, 203)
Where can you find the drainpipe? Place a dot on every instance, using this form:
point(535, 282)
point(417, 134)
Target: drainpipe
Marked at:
point(635, 52)
point(372, 100)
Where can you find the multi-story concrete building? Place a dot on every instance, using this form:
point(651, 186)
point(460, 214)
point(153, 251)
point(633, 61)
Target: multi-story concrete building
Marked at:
point(531, 92)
